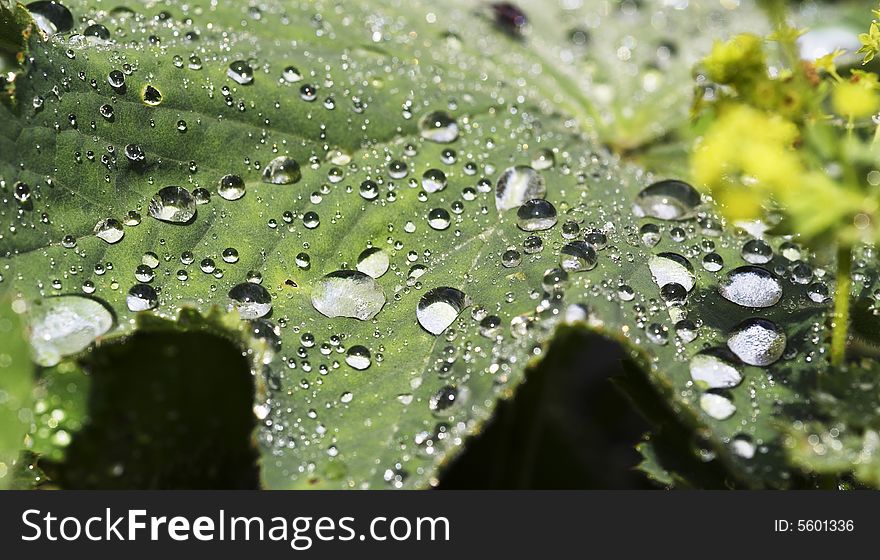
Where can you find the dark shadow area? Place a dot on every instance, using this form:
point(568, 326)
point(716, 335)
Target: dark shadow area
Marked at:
point(166, 411)
point(568, 427)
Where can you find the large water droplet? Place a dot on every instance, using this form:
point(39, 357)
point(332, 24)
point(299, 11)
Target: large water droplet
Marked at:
point(578, 256)
point(373, 262)
point(231, 187)
point(241, 72)
point(348, 293)
point(751, 286)
point(282, 170)
point(668, 268)
point(717, 406)
point(252, 300)
point(358, 357)
point(142, 297)
point(667, 200)
point(438, 127)
point(64, 325)
point(433, 180)
point(536, 215)
point(517, 185)
point(110, 230)
point(51, 17)
point(173, 204)
point(713, 369)
point(757, 342)
point(439, 308)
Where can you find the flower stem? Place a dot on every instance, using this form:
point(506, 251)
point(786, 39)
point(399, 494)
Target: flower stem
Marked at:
point(840, 331)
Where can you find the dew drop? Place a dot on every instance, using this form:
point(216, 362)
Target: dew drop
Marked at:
point(231, 187)
point(667, 268)
point(667, 200)
point(282, 170)
point(65, 325)
point(713, 369)
point(516, 185)
point(717, 406)
point(142, 297)
point(173, 204)
point(241, 72)
point(757, 342)
point(751, 286)
point(373, 262)
point(439, 308)
point(348, 293)
point(439, 127)
point(252, 300)
point(536, 215)
point(110, 230)
point(578, 256)
point(358, 357)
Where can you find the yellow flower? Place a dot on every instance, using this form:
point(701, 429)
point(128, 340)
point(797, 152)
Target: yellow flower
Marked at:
point(870, 42)
point(855, 99)
point(740, 59)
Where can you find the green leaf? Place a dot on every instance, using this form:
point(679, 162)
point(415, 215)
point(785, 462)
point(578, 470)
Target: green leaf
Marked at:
point(381, 73)
point(16, 383)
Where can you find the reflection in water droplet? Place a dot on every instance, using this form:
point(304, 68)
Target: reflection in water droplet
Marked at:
point(438, 127)
point(536, 215)
point(446, 397)
point(439, 219)
point(373, 262)
point(241, 72)
point(517, 185)
point(751, 286)
point(64, 325)
point(173, 204)
point(439, 308)
point(433, 180)
point(743, 446)
point(713, 369)
point(717, 406)
point(110, 230)
point(667, 200)
point(348, 293)
point(252, 300)
point(544, 159)
point(757, 342)
point(578, 256)
point(231, 187)
point(358, 357)
point(757, 251)
point(282, 170)
point(51, 16)
point(667, 268)
point(142, 297)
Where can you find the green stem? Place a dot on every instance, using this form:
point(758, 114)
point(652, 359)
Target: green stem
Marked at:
point(840, 331)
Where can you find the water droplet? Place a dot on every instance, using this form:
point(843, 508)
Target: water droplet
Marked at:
point(578, 256)
point(358, 357)
point(282, 170)
point(151, 96)
point(373, 262)
point(110, 230)
point(439, 219)
point(757, 251)
point(757, 342)
point(544, 159)
point(517, 185)
point(231, 187)
point(743, 446)
point(348, 293)
point(433, 180)
point(667, 268)
point(65, 325)
point(717, 406)
point(142, 297)
point(173, 204)
point(751, 286)
point(51, 16)
point(439, 307)
point(252, 300)
point(667, 200)
point(438, 127)
point(291, 74)
point(511, 258)
point(713, 369)
point(446, 397)
point(536, 215)
point(241, 72)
